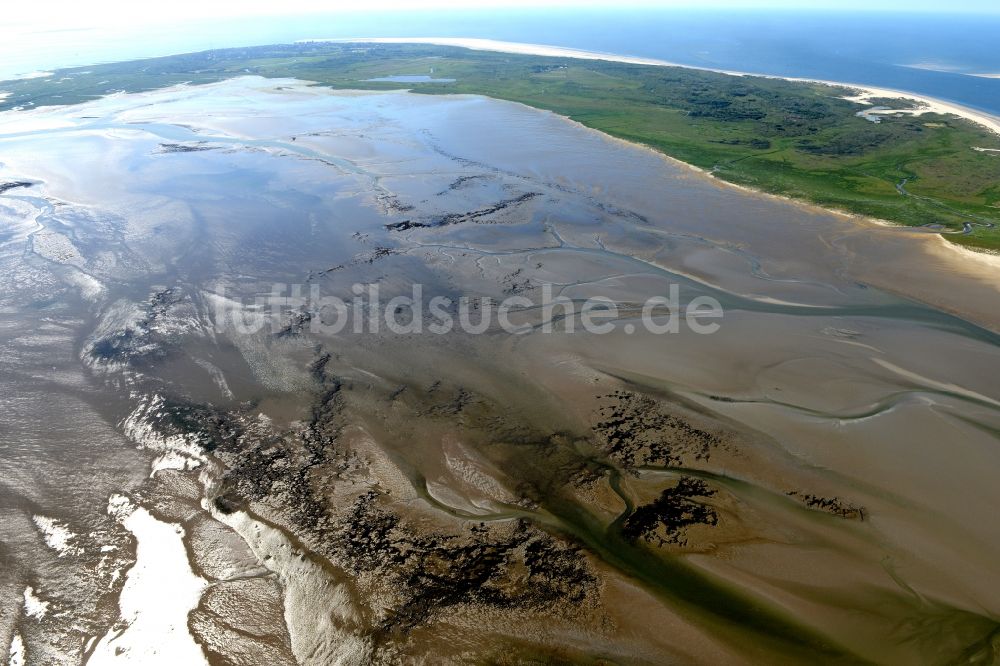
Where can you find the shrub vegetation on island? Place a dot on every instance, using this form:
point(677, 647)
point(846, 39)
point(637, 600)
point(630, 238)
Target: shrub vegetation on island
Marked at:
point(797, 139)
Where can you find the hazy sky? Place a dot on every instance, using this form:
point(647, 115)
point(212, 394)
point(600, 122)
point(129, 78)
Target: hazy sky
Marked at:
point(49, 14)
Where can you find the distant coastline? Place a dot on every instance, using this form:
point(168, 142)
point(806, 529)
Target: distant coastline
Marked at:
point(927, 104)
point(660, 114)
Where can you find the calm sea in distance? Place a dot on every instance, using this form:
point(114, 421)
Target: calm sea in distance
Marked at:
point(950, 57)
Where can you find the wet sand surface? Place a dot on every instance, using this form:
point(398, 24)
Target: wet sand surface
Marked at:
point(811, 483)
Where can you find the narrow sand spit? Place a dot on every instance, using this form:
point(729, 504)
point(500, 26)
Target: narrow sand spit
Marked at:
point(927, 104)
point(987, 260)
point(318, 608)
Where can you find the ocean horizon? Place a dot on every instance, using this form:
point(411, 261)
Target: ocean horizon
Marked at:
point(950, 57)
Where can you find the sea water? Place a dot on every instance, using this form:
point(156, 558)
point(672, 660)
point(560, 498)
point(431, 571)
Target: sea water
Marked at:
point(949, 56)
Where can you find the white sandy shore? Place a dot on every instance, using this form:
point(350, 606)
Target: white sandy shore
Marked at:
point(160, 591)
point(16, 651)
point(29, 75)
point(506, 47)
point(987, 263)
point(987, 260)
point(927, 104)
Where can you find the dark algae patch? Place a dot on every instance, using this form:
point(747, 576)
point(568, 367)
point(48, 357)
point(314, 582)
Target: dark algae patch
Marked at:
point(664, 521)
point(637, 432)
point(6, 187)
point(140, 343)
point(289, 475)
point(832, 505)
point(306, 479)
point(524, 568)
point(185, 148)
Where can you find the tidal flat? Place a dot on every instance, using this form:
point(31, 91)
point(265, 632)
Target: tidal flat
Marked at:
point(812, 483)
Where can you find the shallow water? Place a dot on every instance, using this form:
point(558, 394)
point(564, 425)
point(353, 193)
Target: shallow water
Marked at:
point(849, 422)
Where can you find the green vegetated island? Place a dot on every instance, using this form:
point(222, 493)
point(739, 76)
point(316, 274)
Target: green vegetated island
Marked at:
point(798, 139)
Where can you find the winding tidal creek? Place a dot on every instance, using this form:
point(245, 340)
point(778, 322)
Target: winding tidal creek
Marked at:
point(198, 466)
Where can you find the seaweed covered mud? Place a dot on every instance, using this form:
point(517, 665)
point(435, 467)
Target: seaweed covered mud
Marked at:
point(200, 466)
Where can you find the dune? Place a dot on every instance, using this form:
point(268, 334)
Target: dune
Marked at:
point(927, 104)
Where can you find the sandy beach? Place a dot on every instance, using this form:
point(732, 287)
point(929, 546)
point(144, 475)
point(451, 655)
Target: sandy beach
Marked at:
point(972, 264)
point(927, 104)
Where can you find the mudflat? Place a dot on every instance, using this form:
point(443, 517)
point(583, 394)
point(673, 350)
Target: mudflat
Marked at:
point(810, 481)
